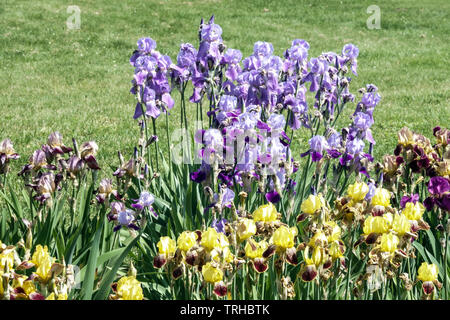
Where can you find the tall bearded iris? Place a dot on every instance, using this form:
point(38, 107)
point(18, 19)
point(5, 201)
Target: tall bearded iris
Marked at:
point(150, 82)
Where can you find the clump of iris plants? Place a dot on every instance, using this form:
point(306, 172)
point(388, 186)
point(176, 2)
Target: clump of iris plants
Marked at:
point(230, 204)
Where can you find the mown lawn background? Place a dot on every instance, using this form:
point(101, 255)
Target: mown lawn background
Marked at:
point(78, 81)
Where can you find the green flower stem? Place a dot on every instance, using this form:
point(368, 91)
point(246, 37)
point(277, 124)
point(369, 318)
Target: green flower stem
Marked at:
point(347, 283)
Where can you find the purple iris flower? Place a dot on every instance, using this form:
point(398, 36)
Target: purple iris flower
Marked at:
point(200, 175)
point(276, 121)
point(262, 49)
point(126, 218)
point(438, 185)
point(151, 80)
point(187, 55)
point(211, 32)
point(318, 143)
point(274, 63)
point(318, 66)
point(351, 51)
point(227, 103)
point(145, 45)
point(371, 99)
point(145, 200)
point(371, 193)
point(439, 188)
point(219, 225)
point(355, 146)
point(412, 198)
point(227, 197)
point(362, 121)
point(273, 196)
point(298, 53)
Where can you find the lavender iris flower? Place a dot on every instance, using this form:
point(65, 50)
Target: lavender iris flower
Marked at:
point(371, 99)
point(318, 144)
point(146, 45)
point(211, 32)
point(276, 121)
point(301, 43)
point(232, 56)
point(219, 225)
point(262, 49)
point(362, 121)
point(227, 103)
point(318, 66)
point(145, 200)
point(187, 55)
point(335, 140)
point(350, 50)
point(125, 217)
point(355, 146)
point(371, 193)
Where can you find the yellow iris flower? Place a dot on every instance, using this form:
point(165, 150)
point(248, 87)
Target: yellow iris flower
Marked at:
point(186, 240)
point(401, 224)
point(335, 231)
point(427, 272)
point(6, 259)
point(358, 191)
point(255, 249)
point(318, 257)
point(62, 296)
point(246, 228)
point(319, 239)
point(413, 211)
point(265, 213)
point(312, 204)
point(212, 239)
point(284, 237)
point(405, 137)
point(382, 197)
point(43, 262)
point(218, 254)
point(129, 288)
point(335, 250)
point(166, 246)
point(375, 225)
point(211, 274)
point(389, 242)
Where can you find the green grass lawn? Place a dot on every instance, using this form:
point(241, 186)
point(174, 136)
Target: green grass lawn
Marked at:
point(78, 81)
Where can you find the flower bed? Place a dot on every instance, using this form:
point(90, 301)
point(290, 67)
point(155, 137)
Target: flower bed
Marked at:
point(231, 211)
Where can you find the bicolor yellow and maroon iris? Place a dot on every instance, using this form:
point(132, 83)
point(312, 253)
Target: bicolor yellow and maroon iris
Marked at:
point(254, 251)
point(428, 274)
point(166, 248)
